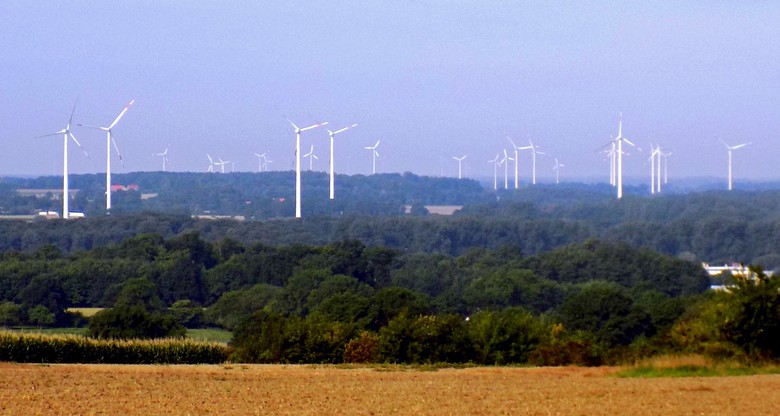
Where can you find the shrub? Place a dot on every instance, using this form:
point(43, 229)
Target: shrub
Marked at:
point(362, 349)
point(126, 322)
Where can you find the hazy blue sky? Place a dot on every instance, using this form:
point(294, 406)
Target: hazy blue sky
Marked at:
point(431, 79)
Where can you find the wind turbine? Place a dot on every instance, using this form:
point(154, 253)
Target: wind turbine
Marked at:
point(534, 152)
point(164, 156)
point(298, 131)
point(617, 144)
point(222, 164)
point(211, 164)
point(374, 155)
point(332, 171)
point(495, 171)
point(517, 160)
point(666, 166)
point(730, 148)
point(505, 162)
point(65, 134)
point(460, 165)
point(611, 154)
point(260, 158)
point(311, 156)
point(109, 141)
point(655, 152)
point(557, 167)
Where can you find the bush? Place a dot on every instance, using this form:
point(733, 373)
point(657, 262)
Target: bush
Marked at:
point(127, 322)
point(362, 349)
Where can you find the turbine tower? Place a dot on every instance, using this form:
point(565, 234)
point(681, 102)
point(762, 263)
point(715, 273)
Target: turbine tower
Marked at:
point(332, 171)
point(730, 149)
point(517, 159)
point(374, 155)
point(495, 171)
point(557, 167)
point(617, 144)
point(460, 165)
point(505, 162)
point(311, 156)
point(65, 134)
point(109, 141)
point(298, 132)
point(260, 158)
point(655, 169)
point(666, 167)
point(164, 156)
point(534, 152)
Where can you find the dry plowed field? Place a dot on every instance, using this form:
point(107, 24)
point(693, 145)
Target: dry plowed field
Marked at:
point(27, 389)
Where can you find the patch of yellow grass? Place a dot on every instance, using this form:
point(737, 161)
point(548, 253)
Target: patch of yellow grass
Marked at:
point(85, 312)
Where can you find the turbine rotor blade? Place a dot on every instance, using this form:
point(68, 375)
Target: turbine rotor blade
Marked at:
point(124, 110)
point(78, 144)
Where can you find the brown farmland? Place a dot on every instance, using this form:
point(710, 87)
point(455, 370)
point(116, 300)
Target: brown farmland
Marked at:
point(321, 390)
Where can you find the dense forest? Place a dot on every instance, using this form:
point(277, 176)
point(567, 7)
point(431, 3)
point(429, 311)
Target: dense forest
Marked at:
point(224, 283)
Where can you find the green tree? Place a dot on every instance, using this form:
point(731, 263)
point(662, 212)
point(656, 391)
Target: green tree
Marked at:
point(133, 321)
point(39, 316)
point(10, 314)
point(753, 314)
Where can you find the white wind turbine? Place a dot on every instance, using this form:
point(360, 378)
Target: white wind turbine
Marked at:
point(655, 153)
point(618, 143)
point(534, 152)
point(164, 156)
point(495, 171)
point(557, 168)
point(332, 170)
point(65, 134)
point(730, 148)
point(211, 164)
point(222, 164)
point(505, 161)
point(666, 166)
point(611, 153)
point(517, 160)
point(298, 131)
point(374, 155)
point(460, 165)
point(110, 140)
point(311, 157)
point(260, 158)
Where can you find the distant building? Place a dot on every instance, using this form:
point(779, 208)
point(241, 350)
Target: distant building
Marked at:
point(738, 270)
point(120, 187)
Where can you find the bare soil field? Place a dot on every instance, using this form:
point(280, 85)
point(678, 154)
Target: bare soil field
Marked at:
point(29, 389)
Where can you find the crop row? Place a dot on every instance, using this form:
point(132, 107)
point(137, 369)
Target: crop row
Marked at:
point(39, 348)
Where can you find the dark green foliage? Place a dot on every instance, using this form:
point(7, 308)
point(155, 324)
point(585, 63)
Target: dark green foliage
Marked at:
point(753, 315)
point(505, 337)
point(234, 306)
point(390, 302)
point(131, 322)
point(11, 314)
point(425, 339)
point(267, 337)
point(606, 311)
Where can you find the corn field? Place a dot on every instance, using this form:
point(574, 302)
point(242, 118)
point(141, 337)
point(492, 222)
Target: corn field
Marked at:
point(40, 348)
